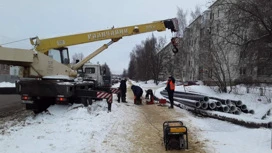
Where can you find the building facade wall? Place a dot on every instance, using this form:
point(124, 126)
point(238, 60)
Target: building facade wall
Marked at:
point(4, 69)
point(203, 47)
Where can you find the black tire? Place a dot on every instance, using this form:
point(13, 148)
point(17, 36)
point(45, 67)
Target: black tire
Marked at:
point(36, 111)
point(89, 101)
point(84, 101)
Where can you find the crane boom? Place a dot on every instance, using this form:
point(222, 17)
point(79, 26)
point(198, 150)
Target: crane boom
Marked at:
point(44, 45)
point(51, 57)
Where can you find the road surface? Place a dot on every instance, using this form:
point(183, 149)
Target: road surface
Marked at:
point(10, 104)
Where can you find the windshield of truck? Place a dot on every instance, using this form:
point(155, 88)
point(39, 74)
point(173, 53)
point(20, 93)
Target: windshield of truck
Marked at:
point(90, 70)
point(65, 56)
point(55, 54)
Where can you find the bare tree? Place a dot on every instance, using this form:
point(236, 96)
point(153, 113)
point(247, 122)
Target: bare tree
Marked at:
point(217, 58)
point(124, 74)
point(107, 68)
point(77, 56)
point(159, 57)
point(250, 29)
point(132, 66)
point(196, 13)
point(142, 69)
point(181, 16)
point(145, 64)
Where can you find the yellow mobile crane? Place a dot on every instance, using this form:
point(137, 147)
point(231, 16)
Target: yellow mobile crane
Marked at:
point(49, 64)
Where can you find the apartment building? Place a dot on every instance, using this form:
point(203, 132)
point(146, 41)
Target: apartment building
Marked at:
point(205, 53)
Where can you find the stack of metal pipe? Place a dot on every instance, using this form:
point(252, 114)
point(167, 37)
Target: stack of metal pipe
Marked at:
point(197, 101)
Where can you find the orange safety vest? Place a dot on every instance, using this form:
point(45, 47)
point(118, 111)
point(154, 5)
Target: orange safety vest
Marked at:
point(172, 85)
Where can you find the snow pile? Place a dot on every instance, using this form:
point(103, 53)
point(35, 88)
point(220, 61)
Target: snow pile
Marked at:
point(224, 137)
point(54, 77)
point(69, 129)
point(7, 84)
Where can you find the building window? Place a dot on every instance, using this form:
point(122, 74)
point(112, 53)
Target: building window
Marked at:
point(211, 15)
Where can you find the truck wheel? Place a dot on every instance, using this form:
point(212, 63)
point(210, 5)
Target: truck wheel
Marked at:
point(89, 101)
point(84, 101)
point(36, 111)
point(39, 105)
point(34, 107)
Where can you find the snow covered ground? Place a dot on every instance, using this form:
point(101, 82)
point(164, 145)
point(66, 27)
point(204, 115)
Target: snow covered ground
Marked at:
point(7, 84)
point(77, 129)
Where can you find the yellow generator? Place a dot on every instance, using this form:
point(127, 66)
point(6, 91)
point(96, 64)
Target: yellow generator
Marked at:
point(175, 135)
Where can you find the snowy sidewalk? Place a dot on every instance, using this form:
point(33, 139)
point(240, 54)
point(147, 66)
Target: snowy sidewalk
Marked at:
point(141, 129)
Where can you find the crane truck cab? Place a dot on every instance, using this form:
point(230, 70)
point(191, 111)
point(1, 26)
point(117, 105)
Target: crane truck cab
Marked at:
point(93, 72)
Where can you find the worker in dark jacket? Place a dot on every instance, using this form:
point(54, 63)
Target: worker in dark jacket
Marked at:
point(123, 90)
point(138, 92)
point(149, 95)
point(170, 88)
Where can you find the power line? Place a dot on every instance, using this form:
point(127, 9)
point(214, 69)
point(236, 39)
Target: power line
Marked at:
point(15, 41)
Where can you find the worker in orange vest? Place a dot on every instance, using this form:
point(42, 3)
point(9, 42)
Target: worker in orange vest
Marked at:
point(170, 88)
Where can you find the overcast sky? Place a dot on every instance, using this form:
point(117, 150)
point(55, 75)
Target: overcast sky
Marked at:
point(22, 19)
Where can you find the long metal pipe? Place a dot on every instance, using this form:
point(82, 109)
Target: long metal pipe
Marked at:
point(244, 110)
point(251, 111)
point(243, 107)
point(180, 92)
point(232, 108)
point(212, 105)
point(237, 111)
point(204, 105)
point(226, 102)
point(224, 108)
point(218, 103)
point(193, 97)
point(237, 102)
point(192, 103)
point(219, 99)
point(189, 103)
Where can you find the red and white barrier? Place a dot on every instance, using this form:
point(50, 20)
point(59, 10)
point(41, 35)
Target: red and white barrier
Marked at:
point(104, 95)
